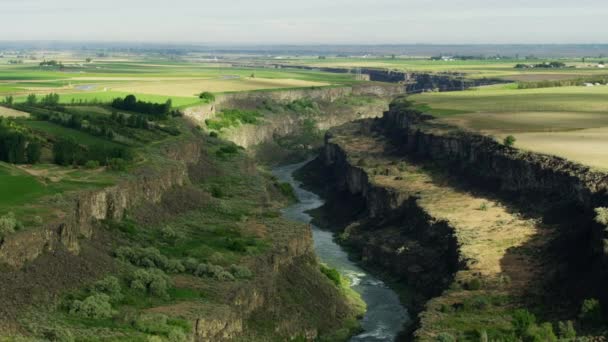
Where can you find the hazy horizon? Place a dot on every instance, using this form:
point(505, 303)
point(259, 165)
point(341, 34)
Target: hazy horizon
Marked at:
point(312, 22)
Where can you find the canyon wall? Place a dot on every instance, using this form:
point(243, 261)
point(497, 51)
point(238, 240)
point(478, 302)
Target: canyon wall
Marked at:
point(282, 124)
point(86, 207)
point(548, 179)
point(395, 235)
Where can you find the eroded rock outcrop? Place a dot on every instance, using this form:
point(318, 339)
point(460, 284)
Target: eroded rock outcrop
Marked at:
point(86, 207)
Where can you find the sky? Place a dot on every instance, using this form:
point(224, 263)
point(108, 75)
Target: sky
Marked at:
point(307, 21)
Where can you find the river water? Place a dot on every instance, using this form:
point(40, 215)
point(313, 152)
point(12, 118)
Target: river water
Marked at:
point(385, 315)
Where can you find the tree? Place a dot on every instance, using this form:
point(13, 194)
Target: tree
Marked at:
point(8, 100)
point(207, 96)
point(509, 141)
point(66, 151)
point(50, 100)
point(33, 152)
point(31, 99)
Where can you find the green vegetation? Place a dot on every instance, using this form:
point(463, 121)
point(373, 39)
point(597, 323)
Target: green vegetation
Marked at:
point(233, 118)
point(332, 274)
point(509, 141)
point(207, 97)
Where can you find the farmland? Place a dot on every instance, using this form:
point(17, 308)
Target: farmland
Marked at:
point(566, 121)
point(104, 80)
point(475, 68)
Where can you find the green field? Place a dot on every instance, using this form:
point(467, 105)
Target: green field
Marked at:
point(477, 68)
point(156, 81)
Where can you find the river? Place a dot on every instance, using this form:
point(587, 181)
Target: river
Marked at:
point(385, 316)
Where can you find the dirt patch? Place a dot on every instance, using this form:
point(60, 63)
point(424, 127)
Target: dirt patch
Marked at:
point(9, 112)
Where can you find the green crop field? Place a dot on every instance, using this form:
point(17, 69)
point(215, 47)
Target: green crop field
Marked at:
point(150, 80)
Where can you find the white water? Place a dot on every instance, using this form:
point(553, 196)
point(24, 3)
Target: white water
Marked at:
point(385, 315)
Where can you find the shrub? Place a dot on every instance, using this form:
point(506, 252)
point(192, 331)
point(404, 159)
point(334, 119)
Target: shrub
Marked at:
point(332, 274)
point(177, 335)
point(168, 233)
point(153, 281)
point(473, 284)
point(190, 264)
point(217, 192)
point(152, 323)
point(175, 266)
point(96, 306)
point(117, 164)
point(483, 206)
point(288, 191)
point(509, 141)
point(213, 134)
point(207, 96)
point(91, 164)
point(149, 257)
point(241, 272)
point(521, 320)
point(601, 216)
point(591, 311)
point(111, 286)
point(57, 333)
point(445, 337)
point(566, 330)
point(8, 224)
point(540, 333)
point(213, 271)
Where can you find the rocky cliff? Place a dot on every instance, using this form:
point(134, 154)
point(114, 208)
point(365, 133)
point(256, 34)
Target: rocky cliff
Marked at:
point(87, 207)
point(548, 179)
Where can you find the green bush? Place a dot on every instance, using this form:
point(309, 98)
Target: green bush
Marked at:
point(111, 286)
point(213, 271)
point(217, 192)
point(509, 141)
point(445, 337)
point(152, 323)
point(522, 320)
point(332, 274)
point(57, 334)
point(91, 164)
point(287, 191)
point(591, 312)
point(177, 335)
point(191, 265)
point(473, 284)
point(241, 272)
point(601, 216)
point(566, 330)
point(8, 224)
point(540, 333)
point(206, 96)
point(153, 281)
point(117, 164)
point(96, 306)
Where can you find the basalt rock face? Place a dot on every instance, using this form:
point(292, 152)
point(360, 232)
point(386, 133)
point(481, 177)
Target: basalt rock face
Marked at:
point(283, 124)
point(330, 94)
point(87, 207)
point(538, 177)
point(290, 266)
point(395, 234)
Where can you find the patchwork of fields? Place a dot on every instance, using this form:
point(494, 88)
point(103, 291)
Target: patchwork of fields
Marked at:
point(104, 80)
point(570, 122)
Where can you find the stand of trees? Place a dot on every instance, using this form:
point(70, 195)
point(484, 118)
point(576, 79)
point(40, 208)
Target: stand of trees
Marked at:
point(157, 111)
point(17, 145)
point(67, 151)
